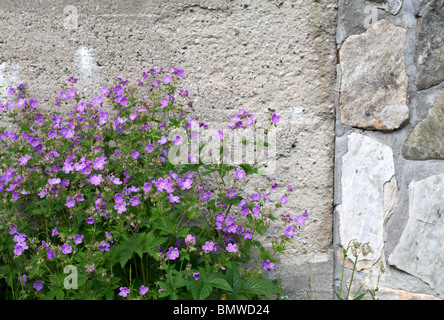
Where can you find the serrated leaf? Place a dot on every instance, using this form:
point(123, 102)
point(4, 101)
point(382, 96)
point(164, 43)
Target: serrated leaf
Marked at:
point(125, 255)
point(217, 281)
point(233, 277)
point(201, 290)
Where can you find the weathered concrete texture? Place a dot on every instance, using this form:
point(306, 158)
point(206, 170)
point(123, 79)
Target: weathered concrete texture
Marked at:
point(420, 250)
point(374, 79)
point(430, 45)
point(427, 139)
point(262, 56)
point(369, 194)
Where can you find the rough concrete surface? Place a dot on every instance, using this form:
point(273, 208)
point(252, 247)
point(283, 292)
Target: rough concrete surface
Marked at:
point(262, 55)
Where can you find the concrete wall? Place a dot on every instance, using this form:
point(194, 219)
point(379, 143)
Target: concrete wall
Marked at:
point(260, 55)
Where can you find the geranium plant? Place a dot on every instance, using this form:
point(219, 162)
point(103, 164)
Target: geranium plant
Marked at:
point(95, 206)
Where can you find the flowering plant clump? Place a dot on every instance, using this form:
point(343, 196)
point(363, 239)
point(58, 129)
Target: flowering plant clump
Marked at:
point(94, 205)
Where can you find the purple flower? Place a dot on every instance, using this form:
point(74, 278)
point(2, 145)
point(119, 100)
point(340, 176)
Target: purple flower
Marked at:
point(164, 102)
point(95, 179)
point(134, 201)
point(290, 188)
point(166, 79)
point(24, 160)
point(204, 196)
point(190, 240)
point(178, 140)
point(163, 140)
point(284, 199)
point(54, 181)
point(256, 210)
point(15, 195)
point(147, 187)
point(80, 198)
point(208, 247)
point(78, 239)
point(173, 253)
point(66, 248)
point(19, 237)
point(275, 118)
point(19, 248)
point(143, 290)
point(38, 285)
point(134, 154)
point(118, 197)
point(89, 268)
point(99, 163)
point(219, 135)
point(289, 231)
point(231, 193)
point(267, 265)
point(109, 237)
point(149, 148)
point(12, 229)
point(266, 196)
point(255, 197)
point(70, 202)
point(124, 291)
point(11, 91)
point(103, 246)
point(299, 220)
point(54, 232)
point(231, 247)
point(23, 279)
point(196, 276)
point(90, 220)
point(193, 159)
point(240, 174)
point(120, 207)
point(51, 254)
point(33, 103)
point(38, 117)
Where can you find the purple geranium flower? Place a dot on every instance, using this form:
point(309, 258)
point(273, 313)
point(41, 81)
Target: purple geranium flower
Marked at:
point(24, 160)
point(173, 253)
point(38, 285)
point(120, 207)
point(134, 201)
point(66, 248)
point(124, 291)
point(149, 148)
point(134, 154)
point(267, 265)
point(78, 239)
point(143, 290)
point(70, 202)
point(240, 174)
point(275, 118)
point(208, 247)
point(190, 240)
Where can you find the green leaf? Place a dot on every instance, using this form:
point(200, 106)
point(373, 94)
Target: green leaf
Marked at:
point(201, 290)
point(233, 277)
point(125, 255)
point(217, 281)
point(260, 286)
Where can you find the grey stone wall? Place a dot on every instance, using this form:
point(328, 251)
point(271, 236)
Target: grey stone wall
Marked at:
point(261, 55)
point(389, 168)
